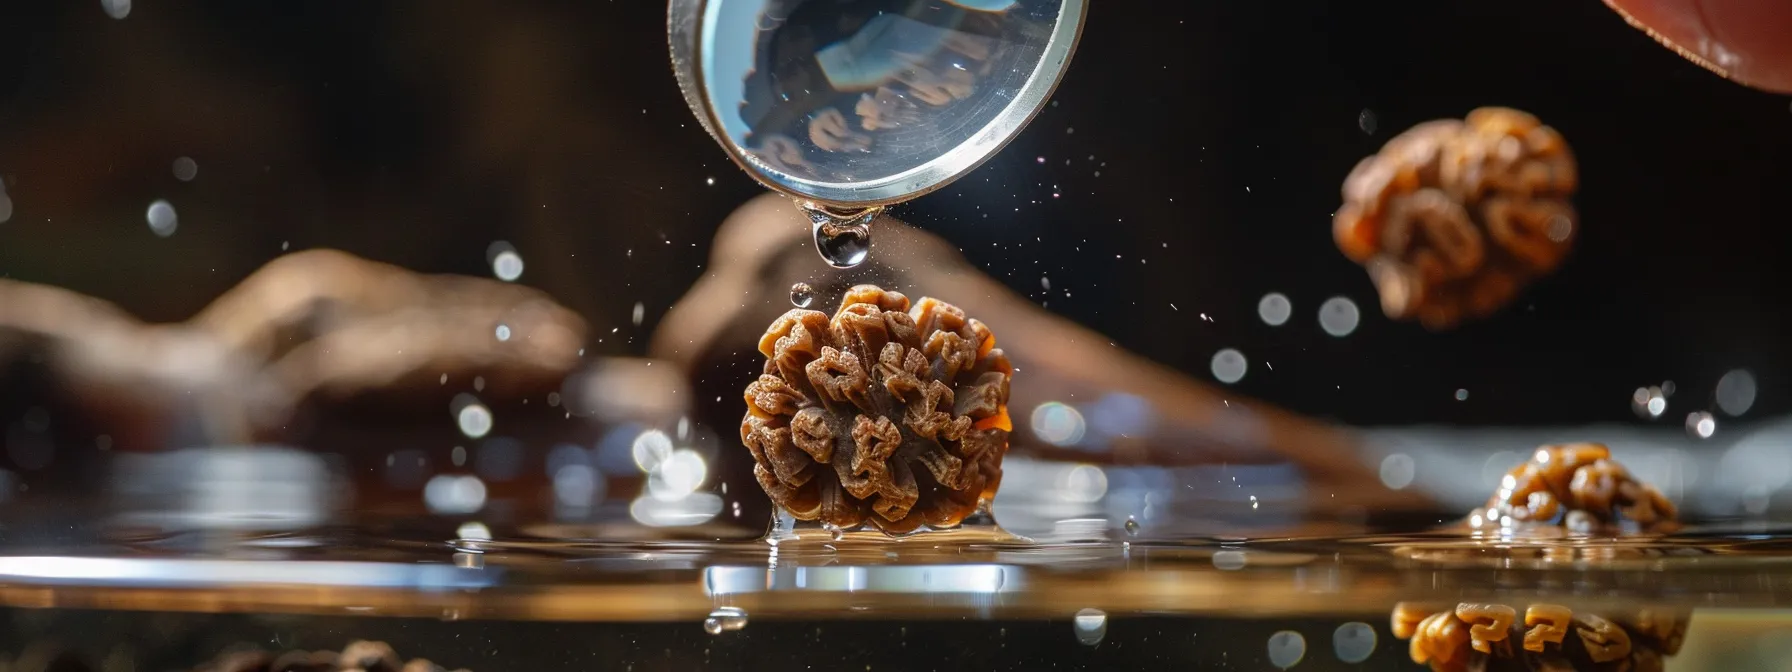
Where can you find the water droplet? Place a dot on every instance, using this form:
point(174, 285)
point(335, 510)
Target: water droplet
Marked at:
point(1366, 120)
point(5, 208)
point(185, 169)
point(1461, 395)
point(725, 619)
point(1354, 642)
point(639, 313)
point(116, 9)
point(1286, 648)
point(1091, 626)
point(1132, 527)
point(801, 295)
point(162, 219)
point(843, 239)
point(503, 332)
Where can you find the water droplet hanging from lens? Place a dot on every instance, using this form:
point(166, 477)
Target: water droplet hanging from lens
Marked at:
point(725, 619)
point(842, 238)
point(801, 295)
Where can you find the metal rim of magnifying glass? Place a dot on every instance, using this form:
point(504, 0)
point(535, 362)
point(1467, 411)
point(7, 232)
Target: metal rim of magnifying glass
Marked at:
point(684, 29)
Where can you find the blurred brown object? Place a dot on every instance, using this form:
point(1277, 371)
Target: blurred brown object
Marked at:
point(1579, 488)
point(1547, 637)
point(761, 250)
point(1453, 218)
point(884, 414)
point(309, 327)
point(359, 656)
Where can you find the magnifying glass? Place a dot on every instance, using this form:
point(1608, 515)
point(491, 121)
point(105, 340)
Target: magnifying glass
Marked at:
point(849, 106)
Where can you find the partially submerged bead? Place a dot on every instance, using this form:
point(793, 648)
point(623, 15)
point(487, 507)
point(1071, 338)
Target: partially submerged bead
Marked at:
point(1577, 487)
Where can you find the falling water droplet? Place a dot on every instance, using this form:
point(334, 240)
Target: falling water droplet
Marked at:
point(725, 619)
point(1091, 626)
point(843, 239)
point(801, 295)
point(1132, 527)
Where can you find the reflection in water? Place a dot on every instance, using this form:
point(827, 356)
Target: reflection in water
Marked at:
point(850, 91)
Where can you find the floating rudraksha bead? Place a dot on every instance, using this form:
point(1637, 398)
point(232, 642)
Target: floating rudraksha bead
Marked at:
point(1453, 218)
point(1577, 487)
point(885, 415)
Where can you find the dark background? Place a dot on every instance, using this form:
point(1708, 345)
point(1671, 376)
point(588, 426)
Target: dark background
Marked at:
point(419, 132)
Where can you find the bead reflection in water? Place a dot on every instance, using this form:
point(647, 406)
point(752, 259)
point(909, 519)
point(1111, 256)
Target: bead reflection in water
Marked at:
point(1338, 316)
point(1058, 424)
point(725, 619)
point(1091, 625)
point(1354, 642)
point(1286, 648)
point(1274, 309)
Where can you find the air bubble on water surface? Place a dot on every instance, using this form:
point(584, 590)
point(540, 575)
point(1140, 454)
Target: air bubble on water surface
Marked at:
point(1132, 527)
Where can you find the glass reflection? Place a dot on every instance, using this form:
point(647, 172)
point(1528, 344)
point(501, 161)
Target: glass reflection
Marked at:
point(861, 90)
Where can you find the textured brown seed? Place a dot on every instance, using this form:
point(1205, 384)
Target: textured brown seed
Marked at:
point(1452, 218)
point(886, 414)
point(1546, 624)
point(1580, 488)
